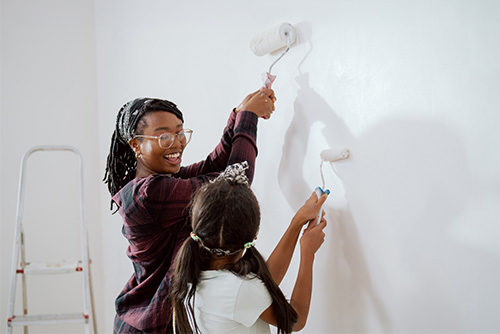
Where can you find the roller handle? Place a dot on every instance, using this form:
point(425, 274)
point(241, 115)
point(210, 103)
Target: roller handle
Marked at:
point(319, 192)
point(267, 80)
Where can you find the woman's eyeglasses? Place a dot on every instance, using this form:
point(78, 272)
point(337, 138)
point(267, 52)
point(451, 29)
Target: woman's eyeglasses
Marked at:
point(166, 140)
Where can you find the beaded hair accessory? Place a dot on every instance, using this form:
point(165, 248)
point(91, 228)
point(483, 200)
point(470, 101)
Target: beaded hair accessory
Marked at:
point(219, 251)
point(235, 173)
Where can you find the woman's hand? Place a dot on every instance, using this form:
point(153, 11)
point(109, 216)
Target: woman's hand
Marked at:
point(260, 103)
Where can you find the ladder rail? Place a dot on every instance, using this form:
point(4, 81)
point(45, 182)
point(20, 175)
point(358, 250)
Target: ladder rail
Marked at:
point(17, 237)
point(87, 286)
point(18, 247)
point(23, 279)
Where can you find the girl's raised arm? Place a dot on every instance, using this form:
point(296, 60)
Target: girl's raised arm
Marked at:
point(310, 242)
point(279, 260)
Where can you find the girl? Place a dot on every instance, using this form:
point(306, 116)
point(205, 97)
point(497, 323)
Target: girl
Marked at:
point(152, 192)
point(221, 283)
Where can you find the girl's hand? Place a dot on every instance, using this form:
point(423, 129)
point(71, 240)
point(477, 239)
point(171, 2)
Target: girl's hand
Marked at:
point(313, 237)
point(260, 103)
point(310, 209)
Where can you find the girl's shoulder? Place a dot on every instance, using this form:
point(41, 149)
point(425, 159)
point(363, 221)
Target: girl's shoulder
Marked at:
point(242, 297)
point(227, 276)
point(226, 282)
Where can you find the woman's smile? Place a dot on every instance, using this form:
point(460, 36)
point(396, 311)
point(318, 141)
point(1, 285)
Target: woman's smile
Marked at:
point(174, 158)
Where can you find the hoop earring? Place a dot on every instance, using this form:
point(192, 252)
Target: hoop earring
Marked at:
point(138, 155)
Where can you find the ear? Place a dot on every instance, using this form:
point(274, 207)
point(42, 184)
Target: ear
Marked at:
point(134, 144)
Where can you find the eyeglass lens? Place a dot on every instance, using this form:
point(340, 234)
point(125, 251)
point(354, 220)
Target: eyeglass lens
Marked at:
point(167, 139)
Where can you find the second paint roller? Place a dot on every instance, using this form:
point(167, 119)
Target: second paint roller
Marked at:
point(330, 155)
point(272, 40)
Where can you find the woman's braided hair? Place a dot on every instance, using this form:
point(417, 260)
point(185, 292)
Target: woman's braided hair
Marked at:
point(121, 163)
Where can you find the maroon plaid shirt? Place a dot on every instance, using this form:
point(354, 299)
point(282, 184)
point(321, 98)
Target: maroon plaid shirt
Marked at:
point(155, 210)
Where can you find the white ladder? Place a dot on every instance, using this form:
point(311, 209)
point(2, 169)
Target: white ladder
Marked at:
point(23, 268)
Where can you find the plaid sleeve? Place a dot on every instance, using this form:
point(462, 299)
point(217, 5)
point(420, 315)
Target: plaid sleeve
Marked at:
point(245, 141)
point(238, 143)
point(217, 159)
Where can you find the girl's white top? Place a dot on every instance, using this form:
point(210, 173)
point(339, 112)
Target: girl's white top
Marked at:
point(227, 303)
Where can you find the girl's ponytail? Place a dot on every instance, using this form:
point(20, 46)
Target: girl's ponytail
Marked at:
point(188, 266)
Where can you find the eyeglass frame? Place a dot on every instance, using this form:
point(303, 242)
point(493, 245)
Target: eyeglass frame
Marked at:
point(175, 135)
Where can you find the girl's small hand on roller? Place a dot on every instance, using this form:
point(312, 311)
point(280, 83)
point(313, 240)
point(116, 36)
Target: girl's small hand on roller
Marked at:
point(309, 211)
point(260, 103)
point(312, 238)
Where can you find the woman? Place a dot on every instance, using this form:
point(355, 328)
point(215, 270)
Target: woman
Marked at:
point(152, 192)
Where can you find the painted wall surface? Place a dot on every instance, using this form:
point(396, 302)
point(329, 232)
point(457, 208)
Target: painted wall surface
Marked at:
point(412, 88)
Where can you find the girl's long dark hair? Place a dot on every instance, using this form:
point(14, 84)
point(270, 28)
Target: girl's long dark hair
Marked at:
point(225, 215)
point(121, 164)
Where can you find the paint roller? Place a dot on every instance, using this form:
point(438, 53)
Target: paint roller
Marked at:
point(271, 40)
point(330, 155)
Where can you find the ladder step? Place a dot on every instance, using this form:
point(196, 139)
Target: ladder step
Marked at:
point(47, 319)
point(61, 267)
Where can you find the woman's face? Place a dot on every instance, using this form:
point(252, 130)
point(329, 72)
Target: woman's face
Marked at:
point(153, 159)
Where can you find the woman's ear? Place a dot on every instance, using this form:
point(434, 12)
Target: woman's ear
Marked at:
point(134, 144)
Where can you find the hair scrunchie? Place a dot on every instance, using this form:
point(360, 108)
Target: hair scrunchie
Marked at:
point(194, 237)
point(235, 173)
point(249, 244)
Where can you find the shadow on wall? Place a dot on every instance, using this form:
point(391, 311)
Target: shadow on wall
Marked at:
point(404, 177)
point(345, 294)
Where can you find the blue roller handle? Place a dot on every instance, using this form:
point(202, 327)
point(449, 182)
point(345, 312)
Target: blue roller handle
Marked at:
point(320, 192)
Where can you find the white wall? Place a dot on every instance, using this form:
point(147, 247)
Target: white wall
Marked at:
point(412, 88)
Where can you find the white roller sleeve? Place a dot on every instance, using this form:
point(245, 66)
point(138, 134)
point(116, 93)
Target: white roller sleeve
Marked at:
point(334, 154)
point(273, 39)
